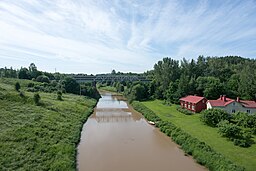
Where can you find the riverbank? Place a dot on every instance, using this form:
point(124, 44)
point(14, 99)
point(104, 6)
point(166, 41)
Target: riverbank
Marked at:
point(41, 137)
point(165, 117)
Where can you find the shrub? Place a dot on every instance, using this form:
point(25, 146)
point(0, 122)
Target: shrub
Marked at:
point(37, 98)
point(229, 130)
point(184, 111)
point(22, 94)
point(213, 116)
point(240, 137)
point(59, 95)
point(30, 85)
point(17, 86)
point(245, 120)
point(43, 79)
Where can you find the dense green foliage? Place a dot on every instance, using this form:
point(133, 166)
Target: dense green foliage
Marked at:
point(184, 111)
point(240, 137)
point(52, 82)
point(17, 86)
point(59, 95)
point(202, 153)
point(209, 77)
point(238, 127)
point(213, 116)
point(40, 137)
point(244, 120)
point(8, 73)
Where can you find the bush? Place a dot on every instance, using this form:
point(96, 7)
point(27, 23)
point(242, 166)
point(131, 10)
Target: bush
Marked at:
point(30, 85)
point(213, 116)
point(43, 79)
point(202, 153)
point(37, 98)
point(244, 120)
point(17, 86)
point(22, 94)
point(229, 130)
point(239, 136)
point(59, 95)
point(184, 111)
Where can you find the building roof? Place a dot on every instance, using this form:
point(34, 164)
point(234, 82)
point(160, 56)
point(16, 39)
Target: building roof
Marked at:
point(192, 99)
point(247, 103)
point(220, 102)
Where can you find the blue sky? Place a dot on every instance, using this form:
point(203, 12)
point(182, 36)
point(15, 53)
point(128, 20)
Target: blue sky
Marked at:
point(96, 36)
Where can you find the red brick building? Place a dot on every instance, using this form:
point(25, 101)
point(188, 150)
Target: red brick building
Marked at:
point(193, 103)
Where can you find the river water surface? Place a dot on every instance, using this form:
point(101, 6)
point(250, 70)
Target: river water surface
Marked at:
point(117, 138)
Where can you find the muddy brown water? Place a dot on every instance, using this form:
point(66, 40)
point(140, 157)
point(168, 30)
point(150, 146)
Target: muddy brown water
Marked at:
point(117, 138)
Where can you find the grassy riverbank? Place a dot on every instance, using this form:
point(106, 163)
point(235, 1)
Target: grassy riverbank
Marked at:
point(40, 137)
point(191, 124)
point(107, 88)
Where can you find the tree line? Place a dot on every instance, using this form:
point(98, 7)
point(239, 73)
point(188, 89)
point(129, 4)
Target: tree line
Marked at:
point(51, 82)
point(210, 77)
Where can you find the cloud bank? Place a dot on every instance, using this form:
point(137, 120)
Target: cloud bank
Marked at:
point(87, 36)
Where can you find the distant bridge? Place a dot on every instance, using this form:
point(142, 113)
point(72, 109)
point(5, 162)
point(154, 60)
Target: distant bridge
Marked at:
point(80, 78)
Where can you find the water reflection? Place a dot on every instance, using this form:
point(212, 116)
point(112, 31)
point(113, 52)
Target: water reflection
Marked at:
point(117, 138)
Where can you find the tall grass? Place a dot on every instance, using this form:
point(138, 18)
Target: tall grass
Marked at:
point(40, 137)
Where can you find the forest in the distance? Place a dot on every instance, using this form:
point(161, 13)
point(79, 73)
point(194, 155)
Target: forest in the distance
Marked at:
point(210, 77)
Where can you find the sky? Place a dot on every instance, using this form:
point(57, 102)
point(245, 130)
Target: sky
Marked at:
point(97, 36)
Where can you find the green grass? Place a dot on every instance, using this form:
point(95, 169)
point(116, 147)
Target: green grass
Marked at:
point(191, 124)
point(108, 88)
point(40, 137)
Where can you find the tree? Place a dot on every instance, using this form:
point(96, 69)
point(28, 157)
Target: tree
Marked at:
point(213, 116)
point(166, 71)
point(209, 87)
point(37, 99)
point(23, 74)
point(139, 92)
point(43, 79)
point(113, 72)
point(59, 95)
point(71, 86)
point(247, 84)
point(17, 86)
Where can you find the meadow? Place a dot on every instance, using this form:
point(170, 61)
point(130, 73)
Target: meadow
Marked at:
point(40, 137)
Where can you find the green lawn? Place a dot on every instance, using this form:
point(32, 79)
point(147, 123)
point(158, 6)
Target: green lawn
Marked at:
point(39, 137)
point(192, 125)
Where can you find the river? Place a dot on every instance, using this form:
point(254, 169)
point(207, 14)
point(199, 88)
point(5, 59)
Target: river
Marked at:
point(117, 138)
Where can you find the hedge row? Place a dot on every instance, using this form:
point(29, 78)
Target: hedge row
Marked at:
point(184, 111)
point(201, 152)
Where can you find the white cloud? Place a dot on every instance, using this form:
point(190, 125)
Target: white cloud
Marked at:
point(127, 35)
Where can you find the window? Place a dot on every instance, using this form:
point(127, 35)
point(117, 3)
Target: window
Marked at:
point(203, 101)
point(248, 111)
point(233, 111)
point(193, 107)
